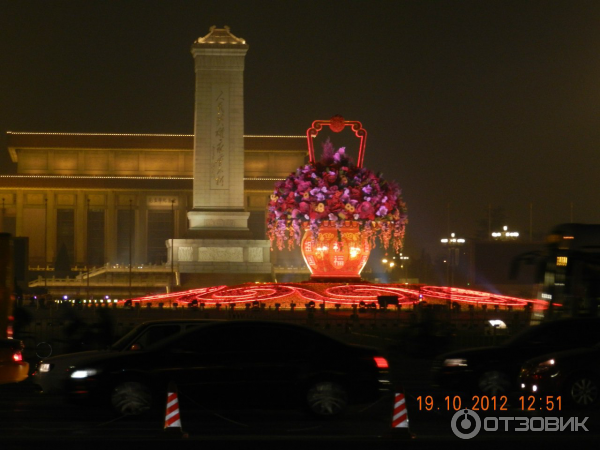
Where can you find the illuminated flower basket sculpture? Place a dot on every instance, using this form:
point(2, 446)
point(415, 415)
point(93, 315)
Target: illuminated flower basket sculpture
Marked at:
point(336, 209)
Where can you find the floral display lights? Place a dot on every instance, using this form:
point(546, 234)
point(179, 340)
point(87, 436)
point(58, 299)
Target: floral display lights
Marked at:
point(349, 204)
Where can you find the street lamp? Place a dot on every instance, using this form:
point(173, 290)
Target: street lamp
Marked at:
point(453, 244)
point(403, 263)
point(505, 235)
point(45, 248)
point(87, 247)
point(172, 243)
point(130, 242)
point(390, 263)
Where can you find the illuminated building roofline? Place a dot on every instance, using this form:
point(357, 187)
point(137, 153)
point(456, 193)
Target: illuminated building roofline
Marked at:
point(127, 178)
point(36, 133)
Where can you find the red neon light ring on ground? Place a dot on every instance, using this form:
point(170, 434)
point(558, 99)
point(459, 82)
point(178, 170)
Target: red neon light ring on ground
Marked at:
point(340, 294)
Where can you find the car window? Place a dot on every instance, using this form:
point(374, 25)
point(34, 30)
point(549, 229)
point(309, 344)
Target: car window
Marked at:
point(156, 333)
point(248, 338)
point(190, 326)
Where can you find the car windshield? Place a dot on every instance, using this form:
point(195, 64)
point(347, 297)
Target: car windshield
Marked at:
point(121, 344)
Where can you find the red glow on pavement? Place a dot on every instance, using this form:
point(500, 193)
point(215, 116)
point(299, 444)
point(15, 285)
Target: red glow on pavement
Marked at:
point(331, 294)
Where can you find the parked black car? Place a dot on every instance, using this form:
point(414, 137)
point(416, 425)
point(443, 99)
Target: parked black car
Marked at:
point(239, 364)
point(570, 378)
point(494, 370)
point(52, 373)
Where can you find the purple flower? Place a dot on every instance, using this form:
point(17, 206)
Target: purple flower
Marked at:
point(382, 211)
point(339, 154)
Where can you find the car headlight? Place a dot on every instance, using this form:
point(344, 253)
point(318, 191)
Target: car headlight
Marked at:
point(545, 366)
point(83, 373)
point(45, 367)
point(455, 362)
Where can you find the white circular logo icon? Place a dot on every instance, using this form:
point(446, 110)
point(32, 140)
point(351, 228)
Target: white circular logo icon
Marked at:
point(463, 421)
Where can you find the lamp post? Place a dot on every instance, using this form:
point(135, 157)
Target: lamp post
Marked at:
point(453, 244)
point(505, 235)
point(45, 247)
point(390, 263)
point(403, 263)
point(130, 242)
point(172, 243)
point(87, 247)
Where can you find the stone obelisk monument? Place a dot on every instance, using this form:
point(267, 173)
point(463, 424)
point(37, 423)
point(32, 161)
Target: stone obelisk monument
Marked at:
point(219, 134)
point(220, 243)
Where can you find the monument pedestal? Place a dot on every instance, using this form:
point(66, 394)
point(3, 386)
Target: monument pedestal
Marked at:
point(242, 260)
point(218, 220)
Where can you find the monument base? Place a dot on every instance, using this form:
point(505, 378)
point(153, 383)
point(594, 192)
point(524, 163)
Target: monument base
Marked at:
point(218, 225)
point(203, 280)
point(218, 220)
point(220, 256)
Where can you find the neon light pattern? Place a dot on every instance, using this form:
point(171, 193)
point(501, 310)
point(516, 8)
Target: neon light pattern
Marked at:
point(332, 293)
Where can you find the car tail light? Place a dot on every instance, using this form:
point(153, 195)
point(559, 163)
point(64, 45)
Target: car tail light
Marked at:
point(9, 327)
point(381, 362)
point(17, 356)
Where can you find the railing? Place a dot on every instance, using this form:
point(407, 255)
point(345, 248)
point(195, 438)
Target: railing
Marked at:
point(81, 279)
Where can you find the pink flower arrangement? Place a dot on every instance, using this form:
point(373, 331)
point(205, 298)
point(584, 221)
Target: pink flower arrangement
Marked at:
point(334, 190)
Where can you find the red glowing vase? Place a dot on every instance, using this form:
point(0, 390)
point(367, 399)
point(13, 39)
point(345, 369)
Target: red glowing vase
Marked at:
point(335, 252)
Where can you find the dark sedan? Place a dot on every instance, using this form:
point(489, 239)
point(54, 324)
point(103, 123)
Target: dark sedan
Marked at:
point(494, 370)
point(572, 377)
point(239, 364)
point(51, 374)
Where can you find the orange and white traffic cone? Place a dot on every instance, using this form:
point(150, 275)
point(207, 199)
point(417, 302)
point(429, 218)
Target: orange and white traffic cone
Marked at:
point(172, 416)
point(400, 416)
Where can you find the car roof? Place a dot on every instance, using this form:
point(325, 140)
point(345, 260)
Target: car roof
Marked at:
point(241, 322)
point(550, 324)
point(169, 321)
point(124, 340)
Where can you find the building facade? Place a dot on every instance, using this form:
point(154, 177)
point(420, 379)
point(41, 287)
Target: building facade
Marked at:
point(113, 200)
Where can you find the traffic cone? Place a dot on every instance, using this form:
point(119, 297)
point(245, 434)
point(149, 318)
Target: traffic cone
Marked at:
point(172, 417)
point(400, 417)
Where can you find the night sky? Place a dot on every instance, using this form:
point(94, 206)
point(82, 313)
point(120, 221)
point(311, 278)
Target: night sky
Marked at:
point(469, 105)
